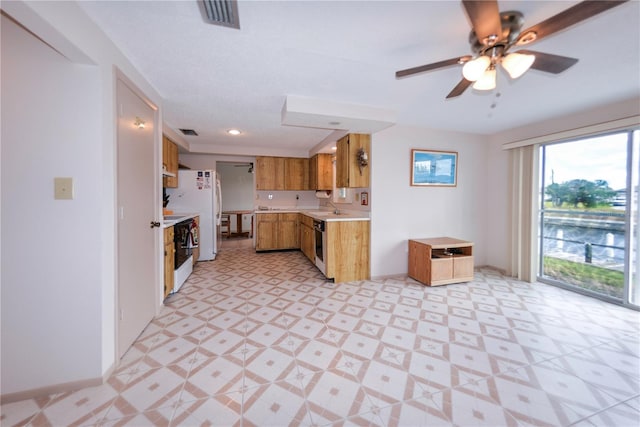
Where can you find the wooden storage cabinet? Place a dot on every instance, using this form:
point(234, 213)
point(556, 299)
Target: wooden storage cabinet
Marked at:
point(307, 237)
point(170, 161)
point(296, 173)
point(440, 261)
point(282, 173)
point(348, 173)
point(288, 234)
point(169, 251)
point(277, 231)
point(269, 173)
point(347, 254)
point(321, 172)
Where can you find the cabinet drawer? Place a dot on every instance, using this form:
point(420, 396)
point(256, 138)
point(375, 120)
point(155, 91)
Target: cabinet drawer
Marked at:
point(441, 269)
point(463, 267)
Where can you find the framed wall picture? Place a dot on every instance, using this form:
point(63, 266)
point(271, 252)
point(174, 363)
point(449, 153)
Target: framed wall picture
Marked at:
point(434, 168)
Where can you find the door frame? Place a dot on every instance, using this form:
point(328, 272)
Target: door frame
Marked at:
point(157, 161)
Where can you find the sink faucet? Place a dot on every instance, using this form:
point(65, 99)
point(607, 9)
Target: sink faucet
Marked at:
point(335, 208)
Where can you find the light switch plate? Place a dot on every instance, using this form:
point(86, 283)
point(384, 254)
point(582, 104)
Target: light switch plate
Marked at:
point(63, 188)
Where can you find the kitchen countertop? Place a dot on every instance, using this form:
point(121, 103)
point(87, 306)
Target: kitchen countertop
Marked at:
point(321, 215)
point(171, 220)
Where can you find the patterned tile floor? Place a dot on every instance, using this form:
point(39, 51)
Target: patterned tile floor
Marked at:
point(262, 340)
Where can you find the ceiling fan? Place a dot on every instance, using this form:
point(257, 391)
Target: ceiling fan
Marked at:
point(494, 34)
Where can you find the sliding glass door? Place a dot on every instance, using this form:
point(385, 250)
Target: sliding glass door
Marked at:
point(588, 224)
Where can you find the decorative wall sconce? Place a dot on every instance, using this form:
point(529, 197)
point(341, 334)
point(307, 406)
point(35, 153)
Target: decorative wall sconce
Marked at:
point(362, 158)
point(139, 122)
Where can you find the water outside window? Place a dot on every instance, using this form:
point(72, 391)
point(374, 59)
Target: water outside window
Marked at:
point(588, 225)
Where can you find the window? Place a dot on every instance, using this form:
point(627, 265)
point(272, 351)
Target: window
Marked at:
point(588, 222)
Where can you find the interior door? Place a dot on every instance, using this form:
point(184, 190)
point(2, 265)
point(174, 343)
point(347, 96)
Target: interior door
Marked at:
point(136, 210)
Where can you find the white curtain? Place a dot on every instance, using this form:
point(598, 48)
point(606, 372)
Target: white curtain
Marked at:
point(524, 173)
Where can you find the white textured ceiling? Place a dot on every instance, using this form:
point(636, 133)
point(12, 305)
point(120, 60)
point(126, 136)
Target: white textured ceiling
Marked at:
point(214, 78)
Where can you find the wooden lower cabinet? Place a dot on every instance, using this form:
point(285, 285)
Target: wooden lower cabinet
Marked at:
point(347, 255)
point(169, 260)
point(440, 261)
point(277, 231)
point(307, 238)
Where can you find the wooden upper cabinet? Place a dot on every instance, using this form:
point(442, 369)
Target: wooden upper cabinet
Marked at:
point(270, 173)
point(170, 161)
point(348, 171)
point(320, 172)
point(282, 173)
point(296, 173)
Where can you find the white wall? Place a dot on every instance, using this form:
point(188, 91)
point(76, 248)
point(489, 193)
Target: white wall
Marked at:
point(50, 279)
point(400, 212)
point(58, 257)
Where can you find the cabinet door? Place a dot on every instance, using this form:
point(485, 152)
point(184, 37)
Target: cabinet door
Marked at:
point(270, 173)
point(170, 160)
point(288, 235)
point(463, 267)
point(296, 173)
point(307, 242)
point(441, 269)
point(168, 268)
point(348, 172)
point(342, 162)
point(169, 253)
point(266, 232)
point(321, 172)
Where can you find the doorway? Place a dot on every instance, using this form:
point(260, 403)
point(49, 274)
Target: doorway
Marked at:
point(237, 183)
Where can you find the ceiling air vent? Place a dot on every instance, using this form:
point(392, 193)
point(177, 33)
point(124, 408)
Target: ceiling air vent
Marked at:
point(220, 12)
point(189, 132)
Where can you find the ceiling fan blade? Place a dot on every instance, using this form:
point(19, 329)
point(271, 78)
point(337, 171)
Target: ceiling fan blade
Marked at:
point(567, 18)
point(485, 18)
point(460, 88)
point(429, 67)
point(550, 63)
point(433, 66)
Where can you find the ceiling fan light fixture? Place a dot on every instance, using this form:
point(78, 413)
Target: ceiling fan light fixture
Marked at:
point(487, 81)
point(516, 64)
point(473, 70)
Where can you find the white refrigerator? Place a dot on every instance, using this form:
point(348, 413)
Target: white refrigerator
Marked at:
point(199, 193)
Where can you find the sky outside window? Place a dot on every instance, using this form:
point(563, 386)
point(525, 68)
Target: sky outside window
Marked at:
point(591, 159)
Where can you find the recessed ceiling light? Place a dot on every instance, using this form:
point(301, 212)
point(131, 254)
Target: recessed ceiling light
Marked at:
point(234, 132)
point(334, 148)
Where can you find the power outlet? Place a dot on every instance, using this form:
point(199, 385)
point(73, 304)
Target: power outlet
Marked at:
point(63, 188)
